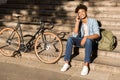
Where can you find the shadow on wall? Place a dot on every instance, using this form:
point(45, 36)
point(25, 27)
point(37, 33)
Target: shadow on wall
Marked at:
point(36, 9)
point(33, 9)
point(45, 9)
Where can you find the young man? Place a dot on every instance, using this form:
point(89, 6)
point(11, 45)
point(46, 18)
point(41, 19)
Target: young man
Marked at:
point(86, 33)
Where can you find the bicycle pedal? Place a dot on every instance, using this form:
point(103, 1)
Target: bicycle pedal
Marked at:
point(16, 53)
point(19, 55)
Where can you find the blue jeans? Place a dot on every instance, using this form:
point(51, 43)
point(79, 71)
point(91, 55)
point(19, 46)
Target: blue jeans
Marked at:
point(76, 41)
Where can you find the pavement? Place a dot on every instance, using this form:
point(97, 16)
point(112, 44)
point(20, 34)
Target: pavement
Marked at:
point(9, 71)
point(31, 61)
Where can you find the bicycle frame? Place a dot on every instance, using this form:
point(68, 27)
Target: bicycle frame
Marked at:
point(23, 46)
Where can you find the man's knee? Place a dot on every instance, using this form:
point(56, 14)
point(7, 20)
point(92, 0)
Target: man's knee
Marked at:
point(88, 42)
point(70, 40)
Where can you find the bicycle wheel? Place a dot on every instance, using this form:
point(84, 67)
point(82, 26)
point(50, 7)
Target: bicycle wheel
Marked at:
point(9, 41)
point(48, 47)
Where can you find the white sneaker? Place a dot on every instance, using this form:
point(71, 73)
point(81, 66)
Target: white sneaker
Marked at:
point(84, 70)
point(65, 67)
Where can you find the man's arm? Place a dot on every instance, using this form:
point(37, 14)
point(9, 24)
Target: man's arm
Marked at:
point(77, 23)
point(94, 36)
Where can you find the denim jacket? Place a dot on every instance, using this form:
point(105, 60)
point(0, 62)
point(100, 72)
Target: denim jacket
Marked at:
point(93, 27)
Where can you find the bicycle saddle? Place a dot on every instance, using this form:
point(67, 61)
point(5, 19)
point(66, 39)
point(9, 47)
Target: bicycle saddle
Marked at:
point(17, 15)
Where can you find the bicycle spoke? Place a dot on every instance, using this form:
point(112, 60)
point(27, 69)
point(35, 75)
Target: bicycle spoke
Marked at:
point(3, 46)
point(40, 52)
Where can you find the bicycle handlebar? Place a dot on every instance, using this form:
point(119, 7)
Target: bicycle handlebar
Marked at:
point(50, 26)
point(47, 25)
point(62, 34)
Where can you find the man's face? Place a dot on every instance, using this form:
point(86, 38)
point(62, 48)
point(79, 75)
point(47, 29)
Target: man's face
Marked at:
point(82, 13)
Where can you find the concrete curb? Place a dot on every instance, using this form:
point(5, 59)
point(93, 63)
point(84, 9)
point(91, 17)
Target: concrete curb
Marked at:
point(78, 63)
point(30, 60)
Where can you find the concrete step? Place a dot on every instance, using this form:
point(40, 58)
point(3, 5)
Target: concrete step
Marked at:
point(108, 23)
point(61, 27)
point(96, 13)
point(105, 3)
point(14, 6)
point(39, 6)
point(105, 15)
point(20, 11)
point(67, 6)
point(94, 66)
point(103, 58)
point(66, 27)
point(109, 61)
point(58, 2)
point(116, 33)
point(110, 27)
point(31, 28)
point(105, 61)
point(70, 27)
point(108, 64)
point(100, 59)
point(71, 7)
point(92, 3)
point(97, 71)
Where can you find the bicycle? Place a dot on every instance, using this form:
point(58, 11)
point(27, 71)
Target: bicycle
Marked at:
point(47, 45)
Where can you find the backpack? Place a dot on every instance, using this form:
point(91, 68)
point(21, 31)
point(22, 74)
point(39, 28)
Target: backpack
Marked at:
point(107, 41)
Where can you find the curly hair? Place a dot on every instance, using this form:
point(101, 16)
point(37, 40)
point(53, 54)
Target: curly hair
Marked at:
point(80, 6)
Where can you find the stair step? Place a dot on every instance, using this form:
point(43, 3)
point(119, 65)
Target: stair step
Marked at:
point(111, 61)
point(94, 66)
point(105, 3)
point(92, 12)
point(105, 23)
point(58, 2)
point(105, 61)
point(61, 10)
point(110, 27)
point(30, 6)
point(91, 8)
point(14, 6)
point(61, 28)
point(64, 27)
point(30, 29)
point(67, 6)
point(105, 15)
point(68, 20)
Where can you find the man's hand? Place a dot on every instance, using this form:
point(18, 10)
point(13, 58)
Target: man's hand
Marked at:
point(83, 41)
point(77, 18)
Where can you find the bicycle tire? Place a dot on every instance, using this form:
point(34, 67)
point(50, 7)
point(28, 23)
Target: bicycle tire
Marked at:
point(8, 48)
point(50, 50)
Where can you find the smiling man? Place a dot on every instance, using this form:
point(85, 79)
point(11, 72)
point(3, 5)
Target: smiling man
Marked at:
point(86, 31)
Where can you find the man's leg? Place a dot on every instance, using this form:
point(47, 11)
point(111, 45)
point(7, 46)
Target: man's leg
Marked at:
point(88, 52)
point(71, 41)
